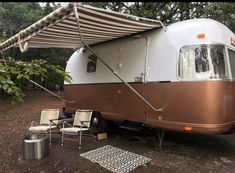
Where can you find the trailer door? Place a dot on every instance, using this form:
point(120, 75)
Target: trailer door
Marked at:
point(131, 68)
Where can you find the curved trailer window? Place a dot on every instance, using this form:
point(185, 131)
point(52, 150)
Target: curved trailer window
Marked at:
point(91, 64)
point(203, 61)
point(231, 55)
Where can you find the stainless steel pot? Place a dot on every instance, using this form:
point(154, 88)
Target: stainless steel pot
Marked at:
point(36, 146)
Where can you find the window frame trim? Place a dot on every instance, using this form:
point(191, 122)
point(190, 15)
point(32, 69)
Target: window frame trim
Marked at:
point(227, 67)
point(95, 65)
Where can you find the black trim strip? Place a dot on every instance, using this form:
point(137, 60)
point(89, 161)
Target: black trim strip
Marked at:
point(120, 83)
point(105, 83)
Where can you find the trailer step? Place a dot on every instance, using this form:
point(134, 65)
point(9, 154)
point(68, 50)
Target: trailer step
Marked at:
point(136, 129)
point(72, 139)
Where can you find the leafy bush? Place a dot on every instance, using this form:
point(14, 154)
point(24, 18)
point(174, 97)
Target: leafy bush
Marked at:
point(12, 71)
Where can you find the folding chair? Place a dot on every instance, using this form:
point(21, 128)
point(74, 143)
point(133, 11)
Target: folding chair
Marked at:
point(48, 121)
point(82, 120)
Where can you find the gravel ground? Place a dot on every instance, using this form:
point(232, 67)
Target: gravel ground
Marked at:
point(180, 152)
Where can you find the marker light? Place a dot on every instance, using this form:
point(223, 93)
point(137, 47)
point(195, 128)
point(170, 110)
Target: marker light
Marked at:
point(188, 128)
point(232, 41)
point(201, 35)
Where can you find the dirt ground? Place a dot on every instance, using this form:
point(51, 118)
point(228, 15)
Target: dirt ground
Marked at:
point(180, 152)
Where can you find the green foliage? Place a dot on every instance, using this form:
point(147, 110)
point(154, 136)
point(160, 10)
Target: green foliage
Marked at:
point(9, 87)
point(170, 12)
point(16, 16)
point(55, 56)
point(222, 12)
point(15, 70)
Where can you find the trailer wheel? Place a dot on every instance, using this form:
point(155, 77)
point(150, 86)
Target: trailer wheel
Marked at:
point(98, 124)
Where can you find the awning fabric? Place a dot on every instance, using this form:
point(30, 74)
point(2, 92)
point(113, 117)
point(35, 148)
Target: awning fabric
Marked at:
point(59, 29)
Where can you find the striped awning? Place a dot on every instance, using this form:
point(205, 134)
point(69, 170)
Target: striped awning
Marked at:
point(59, 29)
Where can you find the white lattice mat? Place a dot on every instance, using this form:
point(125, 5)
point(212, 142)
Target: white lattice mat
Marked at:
point(115, 159)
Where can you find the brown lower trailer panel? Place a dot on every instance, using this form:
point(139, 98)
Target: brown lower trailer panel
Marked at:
point(196, 107)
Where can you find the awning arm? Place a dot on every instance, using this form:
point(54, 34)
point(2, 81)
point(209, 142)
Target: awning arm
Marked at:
point(26, 45)
point(115, 73)
point(59, 97)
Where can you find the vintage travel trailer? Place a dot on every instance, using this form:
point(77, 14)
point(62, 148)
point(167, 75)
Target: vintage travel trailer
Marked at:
point(186, 70)
point(131, 69)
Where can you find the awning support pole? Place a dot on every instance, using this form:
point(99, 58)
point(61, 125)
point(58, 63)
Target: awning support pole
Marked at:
point(115, 73)
point(50, 92)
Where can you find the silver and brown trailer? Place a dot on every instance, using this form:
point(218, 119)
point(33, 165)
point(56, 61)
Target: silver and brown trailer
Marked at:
point(186, 70)
point(125, 68)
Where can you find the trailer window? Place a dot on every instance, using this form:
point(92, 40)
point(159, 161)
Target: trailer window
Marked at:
point(202, 62)
point(201, 59)
point(91, 64)
point(231, 55)
point(217, 53)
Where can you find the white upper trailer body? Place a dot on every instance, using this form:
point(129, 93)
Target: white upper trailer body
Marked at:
point(151, 56)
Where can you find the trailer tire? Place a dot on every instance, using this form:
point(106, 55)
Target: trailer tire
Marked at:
point(98, 124)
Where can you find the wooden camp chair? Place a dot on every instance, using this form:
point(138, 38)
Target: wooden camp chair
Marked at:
point(48, 121)
point(82, 120)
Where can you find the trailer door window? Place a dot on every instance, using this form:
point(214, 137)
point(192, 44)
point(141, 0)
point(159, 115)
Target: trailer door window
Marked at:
point(231, 55)
point(201, 62)
point(91, 64)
